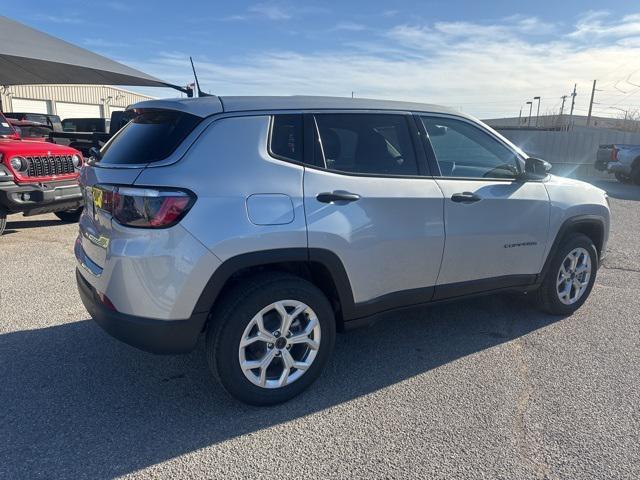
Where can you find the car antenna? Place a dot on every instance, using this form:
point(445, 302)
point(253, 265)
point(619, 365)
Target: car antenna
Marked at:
point(200, 92)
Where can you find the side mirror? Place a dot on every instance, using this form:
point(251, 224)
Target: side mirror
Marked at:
point(94, 152)
point(436, 130)
point(537, 167)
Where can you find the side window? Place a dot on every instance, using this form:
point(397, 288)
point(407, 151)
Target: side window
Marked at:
point(463, 150)
point(69, 126)
point(286, 137)
point(366, 143)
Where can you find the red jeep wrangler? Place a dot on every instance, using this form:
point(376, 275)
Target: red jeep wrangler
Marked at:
point(37, 177)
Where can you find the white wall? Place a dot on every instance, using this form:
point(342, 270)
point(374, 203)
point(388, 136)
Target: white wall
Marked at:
point(569, 152)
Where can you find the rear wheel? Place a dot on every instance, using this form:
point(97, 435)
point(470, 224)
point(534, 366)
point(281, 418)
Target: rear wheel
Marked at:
point(3, 221)
point(635, 173)
point(622, 178)
point(570, 277)
point(270, 338)
point(69, 216)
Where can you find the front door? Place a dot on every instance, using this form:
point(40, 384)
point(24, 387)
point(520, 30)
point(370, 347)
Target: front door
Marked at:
point(367, 202)
point(496, 224)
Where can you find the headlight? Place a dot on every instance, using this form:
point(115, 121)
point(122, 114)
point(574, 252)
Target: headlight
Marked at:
point(76, 161)
point(19, 164)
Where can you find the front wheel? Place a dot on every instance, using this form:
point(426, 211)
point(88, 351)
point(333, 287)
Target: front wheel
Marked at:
point(570, 277)
point(270, 338)
point(3, 221)
point(69, 216)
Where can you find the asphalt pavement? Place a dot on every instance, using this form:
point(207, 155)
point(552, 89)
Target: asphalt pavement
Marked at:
point(485, 388)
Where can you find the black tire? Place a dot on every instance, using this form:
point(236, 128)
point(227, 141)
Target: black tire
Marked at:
point(69, 216)
point(3, 221)
point(635, 173)
point(622, 178)
point(234, 313)
point(547, 295)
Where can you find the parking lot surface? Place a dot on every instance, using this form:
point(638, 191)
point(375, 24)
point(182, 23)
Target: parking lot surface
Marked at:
point(486, 388)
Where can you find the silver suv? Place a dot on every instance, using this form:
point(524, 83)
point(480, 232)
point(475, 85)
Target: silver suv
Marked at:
point(270, 223)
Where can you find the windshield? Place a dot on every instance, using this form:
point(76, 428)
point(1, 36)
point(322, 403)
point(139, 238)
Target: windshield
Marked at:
point(5, 129)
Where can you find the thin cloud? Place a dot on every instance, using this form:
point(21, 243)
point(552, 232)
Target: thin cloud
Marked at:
point(486, 69)
point(350, 27)
point(275, 11)
point(101, 43)
point(60, 19)
point(271, 11)
point(119, 6)
point(598, 25)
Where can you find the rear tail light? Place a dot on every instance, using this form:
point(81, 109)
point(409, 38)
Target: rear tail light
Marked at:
point(143, 207)
point(614, 154)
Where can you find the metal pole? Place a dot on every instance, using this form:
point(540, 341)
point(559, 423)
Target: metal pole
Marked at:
point(530, 109)
point(538, 112)
point(593, 92)
point(520, 116)
point(573, 103)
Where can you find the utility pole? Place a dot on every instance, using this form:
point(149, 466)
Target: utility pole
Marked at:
point(530, 108)
point(538, 111)
point(573, 103)
point(564, 97)
point(593, 92)
point(520, 116)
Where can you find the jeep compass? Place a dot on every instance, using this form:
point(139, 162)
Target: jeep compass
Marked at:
point(270, 223)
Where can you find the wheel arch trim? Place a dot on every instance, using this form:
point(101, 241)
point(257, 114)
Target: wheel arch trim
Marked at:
point(264, 258)
point(570, 225)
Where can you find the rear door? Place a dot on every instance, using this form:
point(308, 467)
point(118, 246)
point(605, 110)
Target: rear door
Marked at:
point(28, 105)
point(78, 110)
point(368, 201)
point(496, 224)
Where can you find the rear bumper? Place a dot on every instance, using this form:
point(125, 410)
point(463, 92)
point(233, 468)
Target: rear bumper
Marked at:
point(155, 336)
point(614, 167)
point(34, 199)
point(601, 165)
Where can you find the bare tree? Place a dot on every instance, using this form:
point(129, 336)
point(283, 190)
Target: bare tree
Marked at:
point(628, 120)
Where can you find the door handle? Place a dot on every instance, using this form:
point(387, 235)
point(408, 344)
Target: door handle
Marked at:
point(337, 196)
point(465, 197)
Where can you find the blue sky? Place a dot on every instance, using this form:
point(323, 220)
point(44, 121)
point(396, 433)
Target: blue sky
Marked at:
point(486, 58)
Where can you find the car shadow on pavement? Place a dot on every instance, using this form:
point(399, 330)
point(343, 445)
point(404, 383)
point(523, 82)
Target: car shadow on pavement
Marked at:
point(77, 403)
point(23, 224)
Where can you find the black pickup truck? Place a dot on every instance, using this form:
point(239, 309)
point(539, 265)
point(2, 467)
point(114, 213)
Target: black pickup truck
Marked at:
point(85, 133)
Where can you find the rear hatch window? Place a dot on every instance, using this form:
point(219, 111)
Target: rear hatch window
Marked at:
point(150, 136)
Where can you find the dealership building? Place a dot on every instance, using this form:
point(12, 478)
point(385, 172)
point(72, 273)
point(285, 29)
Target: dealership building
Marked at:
point(67, 101)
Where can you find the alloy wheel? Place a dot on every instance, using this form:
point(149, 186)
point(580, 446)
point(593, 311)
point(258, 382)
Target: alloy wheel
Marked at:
point(573, 276)
point(279, 344)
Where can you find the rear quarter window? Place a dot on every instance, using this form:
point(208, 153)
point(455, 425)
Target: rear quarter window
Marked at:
point(286, 137)
point(151, 136)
